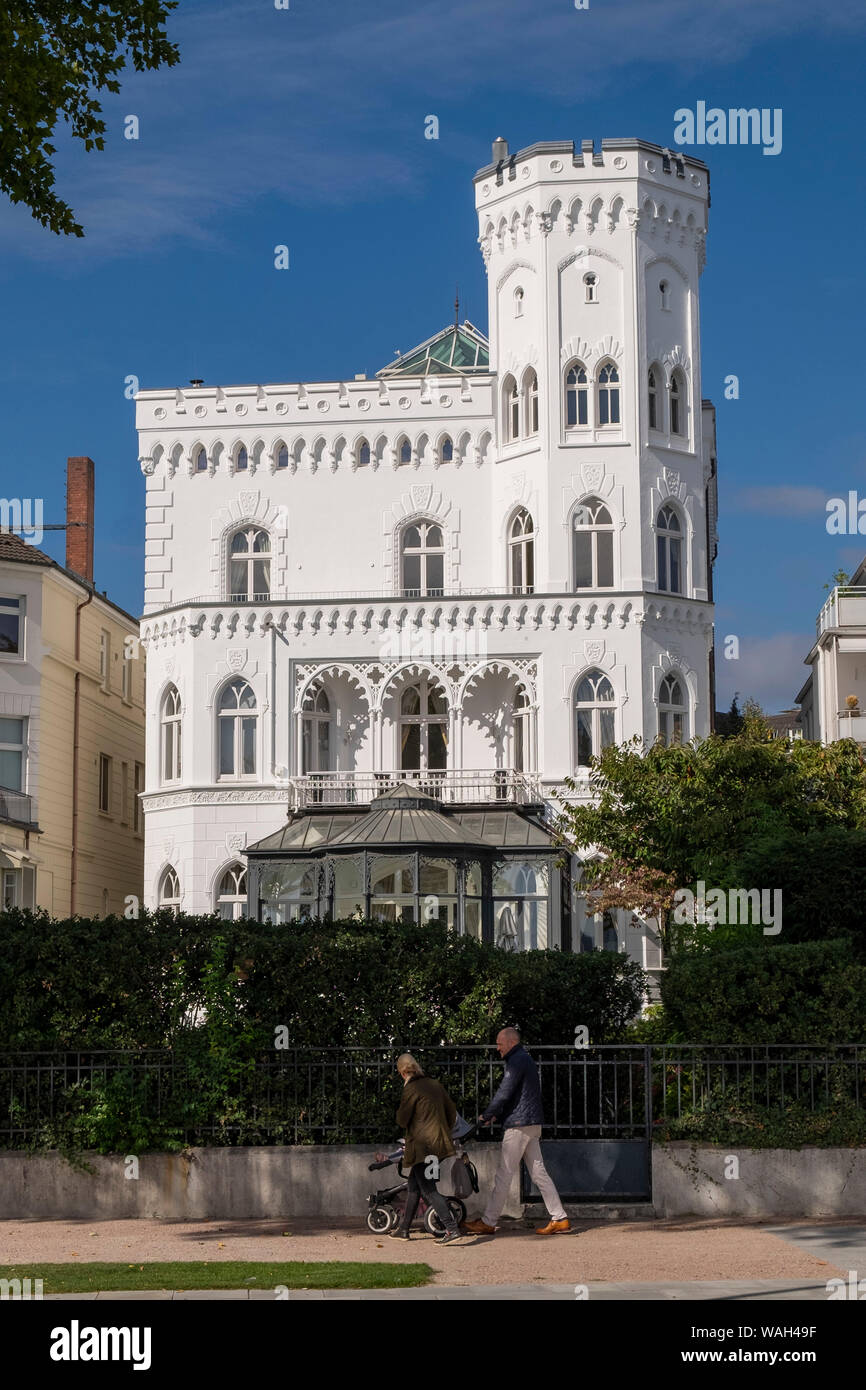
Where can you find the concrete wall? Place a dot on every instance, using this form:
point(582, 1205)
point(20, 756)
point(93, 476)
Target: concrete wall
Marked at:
point(240, 1183)
point(771, 1182)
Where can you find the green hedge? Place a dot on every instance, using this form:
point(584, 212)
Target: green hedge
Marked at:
point(133, 984)
point(812, 992)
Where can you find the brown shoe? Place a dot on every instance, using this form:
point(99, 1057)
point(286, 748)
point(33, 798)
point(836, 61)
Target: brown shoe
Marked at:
point(552, 1227)
point(478, 1228)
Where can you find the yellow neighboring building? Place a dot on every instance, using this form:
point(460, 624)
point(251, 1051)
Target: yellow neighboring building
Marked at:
point(71, 740)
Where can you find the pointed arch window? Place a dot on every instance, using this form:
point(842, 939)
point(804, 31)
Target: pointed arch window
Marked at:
point(405, 451)
point(237, 725)
point(423, 727)
point(677, 404)
point(609, 933)
point(669, 551)
point(530, 388)
point(422, 549)
point(594, 717)
point(200, 459)
point(521, 557)
point(446, 452)
point(576, 395)
point(170, 722)
point(231, 894)
point(364, 454)
point(520, 728)
point(282, 457)
point(608, 394)
point(673, 711)
point(169, 891)
point(242, 461)
point(511, 407)
point(593, 545)
point(654, 397)
point(316, 732)
point(249, 565)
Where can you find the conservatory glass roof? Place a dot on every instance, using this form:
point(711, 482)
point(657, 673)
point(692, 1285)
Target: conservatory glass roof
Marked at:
point(459, 350)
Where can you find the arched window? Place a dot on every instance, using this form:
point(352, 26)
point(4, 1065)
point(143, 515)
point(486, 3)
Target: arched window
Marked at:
point(242, 460)
point(446, 452)
point(237, 730)
point(231, 894)
point(423, 555)
point(530, 401)
point(520, 731)
point(594, 716)
point(677, 404)
point(363, 454)
point(171, 728)
point(593, 545)
point(655, 416)
point(665, 293)
point(576, 395)
point(423, 727)
point(590, 281)
point(673, 711)
point(200, 459)
point(608, 395)
point(669, 551)
point(511, 407)
point(169, 891)
point(521, 558)
point(282, 457)
point(518, 303)
point(249, 564)
point(405, 451)
point(610, 935)
point(316, 732)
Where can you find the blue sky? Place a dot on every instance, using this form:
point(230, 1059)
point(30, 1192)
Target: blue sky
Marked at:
point(306, 127)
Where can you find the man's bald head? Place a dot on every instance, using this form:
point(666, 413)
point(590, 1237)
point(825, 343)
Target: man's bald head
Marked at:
point(507, 1038)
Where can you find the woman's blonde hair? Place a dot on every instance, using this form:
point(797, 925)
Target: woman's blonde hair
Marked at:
point(406, 1062)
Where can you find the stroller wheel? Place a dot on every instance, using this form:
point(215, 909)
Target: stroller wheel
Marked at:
point(381, 1219)
point(434, 1225)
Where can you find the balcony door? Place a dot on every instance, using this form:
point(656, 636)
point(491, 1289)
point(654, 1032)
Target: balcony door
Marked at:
point(423, 727)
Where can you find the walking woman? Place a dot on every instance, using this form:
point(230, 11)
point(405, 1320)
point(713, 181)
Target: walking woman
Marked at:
point(427, 1113)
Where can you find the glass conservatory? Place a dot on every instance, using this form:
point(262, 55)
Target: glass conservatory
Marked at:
point(491, 874)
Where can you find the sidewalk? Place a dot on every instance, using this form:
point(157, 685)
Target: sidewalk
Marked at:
point(610, 1257)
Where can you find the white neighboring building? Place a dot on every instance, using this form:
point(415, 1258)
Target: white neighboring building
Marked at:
point(837, 661)
point(464, 575)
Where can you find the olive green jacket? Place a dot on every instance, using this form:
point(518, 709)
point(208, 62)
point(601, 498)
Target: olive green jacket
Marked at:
point(427, 1113)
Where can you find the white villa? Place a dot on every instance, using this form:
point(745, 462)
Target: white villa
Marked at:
point(386, 617)
point(833, 698)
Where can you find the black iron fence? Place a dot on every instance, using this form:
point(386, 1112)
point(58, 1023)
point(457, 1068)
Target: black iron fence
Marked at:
point(126, 1101)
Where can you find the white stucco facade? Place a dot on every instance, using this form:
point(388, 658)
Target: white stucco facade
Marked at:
point(482, 573)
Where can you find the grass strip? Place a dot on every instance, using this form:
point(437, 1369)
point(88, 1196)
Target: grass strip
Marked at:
point(181, 1275)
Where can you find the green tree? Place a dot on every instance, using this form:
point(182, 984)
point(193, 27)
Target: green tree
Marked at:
point(665, 818)
point(54, 59)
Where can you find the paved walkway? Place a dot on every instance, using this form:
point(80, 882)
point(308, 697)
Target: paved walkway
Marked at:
point(739, 1290)
point(608, 1257)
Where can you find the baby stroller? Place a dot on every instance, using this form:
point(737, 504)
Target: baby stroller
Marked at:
point(388, 1204)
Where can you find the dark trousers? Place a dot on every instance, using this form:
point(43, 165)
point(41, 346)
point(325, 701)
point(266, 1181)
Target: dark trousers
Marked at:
point(421, 1186)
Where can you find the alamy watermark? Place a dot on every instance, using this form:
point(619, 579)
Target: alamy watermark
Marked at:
point(736, 126)
point(23, 516)
point(736, 907)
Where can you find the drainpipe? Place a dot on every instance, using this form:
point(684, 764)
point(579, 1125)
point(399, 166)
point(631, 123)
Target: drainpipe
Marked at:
point(73, 886)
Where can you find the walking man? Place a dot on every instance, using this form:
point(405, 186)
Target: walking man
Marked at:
point(518, 1104)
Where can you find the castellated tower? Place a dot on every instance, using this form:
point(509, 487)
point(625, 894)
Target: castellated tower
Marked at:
point(593, 263)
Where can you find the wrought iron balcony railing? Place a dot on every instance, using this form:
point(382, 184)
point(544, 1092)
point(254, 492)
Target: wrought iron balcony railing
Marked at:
point(451, 787)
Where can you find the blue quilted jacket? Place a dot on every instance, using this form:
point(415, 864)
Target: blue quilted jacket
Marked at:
point(518, 1099)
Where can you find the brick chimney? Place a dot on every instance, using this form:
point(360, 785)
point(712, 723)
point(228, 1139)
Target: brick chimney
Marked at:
point(79, 509)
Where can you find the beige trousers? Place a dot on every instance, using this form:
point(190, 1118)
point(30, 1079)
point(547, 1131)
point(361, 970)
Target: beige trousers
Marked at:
point(521, 1143)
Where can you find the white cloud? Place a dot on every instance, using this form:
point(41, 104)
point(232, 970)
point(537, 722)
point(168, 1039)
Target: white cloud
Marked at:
point(770, 670)
point(783, 500)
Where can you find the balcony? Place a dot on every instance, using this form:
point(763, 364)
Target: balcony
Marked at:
point(846, 607)
point(453, 788)
point(16, 808)
point(851, 725)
